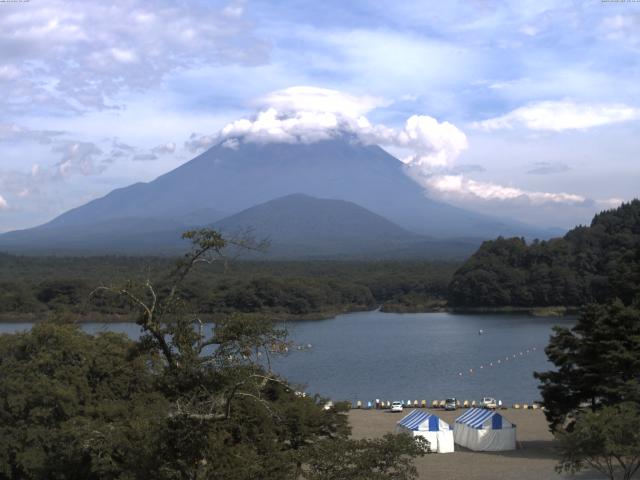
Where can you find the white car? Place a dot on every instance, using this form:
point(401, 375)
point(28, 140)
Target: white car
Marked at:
point(396, 407)
point(488, 402)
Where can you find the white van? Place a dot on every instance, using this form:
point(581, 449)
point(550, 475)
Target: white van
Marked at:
point(489, 402)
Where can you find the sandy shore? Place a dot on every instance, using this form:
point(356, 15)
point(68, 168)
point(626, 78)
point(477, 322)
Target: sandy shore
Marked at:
point(535, 458)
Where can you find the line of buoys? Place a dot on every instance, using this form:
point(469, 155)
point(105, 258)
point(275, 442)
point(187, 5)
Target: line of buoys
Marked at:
point(499, 361)
point(436, 404)
point(284, 347)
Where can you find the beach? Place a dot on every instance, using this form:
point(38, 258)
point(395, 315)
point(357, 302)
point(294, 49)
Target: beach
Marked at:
point(535, 458)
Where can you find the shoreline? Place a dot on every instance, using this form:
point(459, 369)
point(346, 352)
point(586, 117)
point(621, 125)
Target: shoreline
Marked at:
point(551, 311)
point(95, 317)
point(559, 311)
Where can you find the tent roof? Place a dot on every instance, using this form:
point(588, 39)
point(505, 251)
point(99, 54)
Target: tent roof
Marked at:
point(417, 418)
point(476, 418)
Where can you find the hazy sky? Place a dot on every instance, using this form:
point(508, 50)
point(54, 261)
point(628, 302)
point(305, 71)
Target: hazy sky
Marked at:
point(528, 109)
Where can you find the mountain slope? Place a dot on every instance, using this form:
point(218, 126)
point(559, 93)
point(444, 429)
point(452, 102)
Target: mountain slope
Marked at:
point(231, 180)
point(301, 226)
point(303, 220)
point(298, 227)
point(131, 235)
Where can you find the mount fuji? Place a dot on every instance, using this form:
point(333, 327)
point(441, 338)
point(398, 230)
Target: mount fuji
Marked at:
point(223, 181)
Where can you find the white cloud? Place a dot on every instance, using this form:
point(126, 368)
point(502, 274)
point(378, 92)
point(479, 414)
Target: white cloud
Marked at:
point(145, 157)
point(618, 22)
point(199, 142)
point(529, 30)
point(119, 149)
point(232, 143)
point(234, 10)
point(561, 115)
point(11, 132)
point(74, 55)
point(623, 29)
point(124, 55)
point(9, 72)
point(315, 99)
point(3, 203)
point(383, 60)
point(458, 186)
point(39, 186)
point(548, 168)
point(434, 144)
point(271, 126)
point(309, 114)
point(164, 149)
point(610, 202)
point(77, 158)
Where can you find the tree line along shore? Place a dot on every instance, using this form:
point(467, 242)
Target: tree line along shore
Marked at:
point(37, 288)
point(33, 288)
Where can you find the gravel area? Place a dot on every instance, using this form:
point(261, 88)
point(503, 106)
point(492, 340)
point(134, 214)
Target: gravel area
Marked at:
point(534, 459)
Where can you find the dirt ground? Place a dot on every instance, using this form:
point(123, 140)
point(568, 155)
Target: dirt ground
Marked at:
point(534, 459)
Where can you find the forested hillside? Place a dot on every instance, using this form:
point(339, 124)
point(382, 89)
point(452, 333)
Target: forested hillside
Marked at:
point(590, 263)
point(36, 287)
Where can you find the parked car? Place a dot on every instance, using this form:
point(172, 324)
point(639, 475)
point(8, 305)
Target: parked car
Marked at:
point(396, 407)
point(489, 402)
point(450, 404)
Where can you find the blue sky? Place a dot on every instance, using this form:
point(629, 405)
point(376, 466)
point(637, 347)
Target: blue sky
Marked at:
point(527, 109)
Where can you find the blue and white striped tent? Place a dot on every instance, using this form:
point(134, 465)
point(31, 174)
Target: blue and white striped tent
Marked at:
point(429, 426)
point(484, 430)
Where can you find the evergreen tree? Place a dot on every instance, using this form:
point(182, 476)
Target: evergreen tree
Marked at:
point(598, 363)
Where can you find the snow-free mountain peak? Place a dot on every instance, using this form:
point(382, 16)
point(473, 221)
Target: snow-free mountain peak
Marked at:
point(231, 179)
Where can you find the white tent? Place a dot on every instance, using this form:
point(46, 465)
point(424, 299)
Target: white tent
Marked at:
point(484, 430)
point(424, 424)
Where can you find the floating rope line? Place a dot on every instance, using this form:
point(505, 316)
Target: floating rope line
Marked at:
point(500, 361)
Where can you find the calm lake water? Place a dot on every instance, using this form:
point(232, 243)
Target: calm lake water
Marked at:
point(369, 355)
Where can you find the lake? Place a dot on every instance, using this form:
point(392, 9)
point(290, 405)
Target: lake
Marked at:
point(369, 355)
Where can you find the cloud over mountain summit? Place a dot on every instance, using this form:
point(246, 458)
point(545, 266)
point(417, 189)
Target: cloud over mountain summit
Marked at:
point(428, 147)
point(304, 114)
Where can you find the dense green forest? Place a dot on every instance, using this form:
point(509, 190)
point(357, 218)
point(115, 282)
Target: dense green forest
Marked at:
point(31, 287)
point(589, 264)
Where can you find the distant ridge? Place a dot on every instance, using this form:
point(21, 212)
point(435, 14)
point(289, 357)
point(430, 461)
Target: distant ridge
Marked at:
point(326, 224)
point(301, 226)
